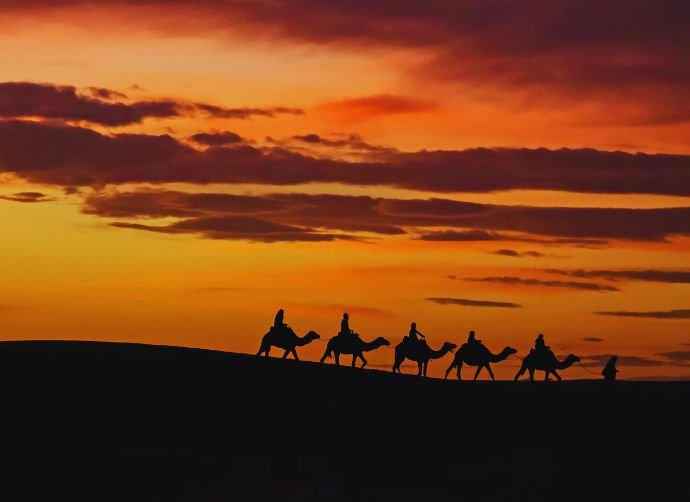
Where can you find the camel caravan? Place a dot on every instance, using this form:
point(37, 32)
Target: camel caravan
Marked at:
point(415, 348)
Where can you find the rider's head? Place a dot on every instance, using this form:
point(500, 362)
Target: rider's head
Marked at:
point(345, 316)
point(471, 332)
point(414, 324)
point(540, 335)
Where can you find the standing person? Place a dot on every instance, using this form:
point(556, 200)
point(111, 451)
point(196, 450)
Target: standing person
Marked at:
point(610, 370)
point(413, 333)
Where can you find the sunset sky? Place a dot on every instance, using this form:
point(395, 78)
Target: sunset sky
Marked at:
point(175, 173)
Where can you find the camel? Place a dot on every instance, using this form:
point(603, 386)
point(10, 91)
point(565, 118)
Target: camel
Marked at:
point(285, 340)
point(352, 345)
point(547, 362)
point(420, 352)
point(478, 356)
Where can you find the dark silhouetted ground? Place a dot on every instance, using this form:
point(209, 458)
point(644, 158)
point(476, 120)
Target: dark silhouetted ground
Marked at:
point(128, 422)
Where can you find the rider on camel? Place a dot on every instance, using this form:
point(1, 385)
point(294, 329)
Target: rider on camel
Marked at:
point(472, 341)
point(345, 330)
point(413, 333)
point(540, 346)
point(278, 325)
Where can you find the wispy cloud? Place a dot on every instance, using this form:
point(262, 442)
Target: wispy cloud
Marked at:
point(472, 303)
point(511, 280)
point(663, 314)
point(28, 197)
point(671, 276)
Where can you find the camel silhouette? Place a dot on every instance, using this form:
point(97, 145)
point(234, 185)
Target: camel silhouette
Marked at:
point(419, 352)
point(351, 345)
point(545, 361)
point(286, 340)
point(478, 356)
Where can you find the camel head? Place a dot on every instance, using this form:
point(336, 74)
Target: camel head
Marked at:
point(572, 359)
point(510, 351)
point(449, 347)
point(382, 341)
point(312, 335)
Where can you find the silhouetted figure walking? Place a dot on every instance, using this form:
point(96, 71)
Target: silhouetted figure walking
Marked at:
point(610, 370)
point(413, 333)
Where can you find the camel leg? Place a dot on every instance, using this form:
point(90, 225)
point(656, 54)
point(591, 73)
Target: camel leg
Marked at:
point(285, 354)
point(459, 371)
point(491, 373)
point(264, 349)
point(396, 363)
point(294, 354)
point(555, 373)
point(354, 360)
point(520, 372)
point(364, 361)
point(531, 374)
point(476, 373)
point(452, 365)
point(337, 358)
point(419, 372)
point(546, 375)
point(426, 365)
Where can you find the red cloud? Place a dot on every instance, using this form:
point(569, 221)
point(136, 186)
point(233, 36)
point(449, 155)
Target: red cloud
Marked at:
point(381, 104)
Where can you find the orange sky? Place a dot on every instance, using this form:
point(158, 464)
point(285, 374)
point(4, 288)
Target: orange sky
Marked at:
point(112, 232)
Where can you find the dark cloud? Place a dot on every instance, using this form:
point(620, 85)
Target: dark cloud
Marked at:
point(245, 113)
point(216, 138)
point(592, 339)
point(237, 228)
point(464, 236)
point(569, 52)
point(375, 215)
point(27, 197)
point(472, 303)
point(679, 356)
point(671, 276)
point(26, 99)
point(519, 254)
point(633, 361)
point(664, 314)
point(87, 157)
point(587, 286)
point(103, 93)
point(482, 235)
point(352, 142)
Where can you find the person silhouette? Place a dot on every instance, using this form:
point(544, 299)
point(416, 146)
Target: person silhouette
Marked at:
point(610, 370)
point(345, 330)
point(472, 340)
point(278, 321)
point(413, 333)
point(540, 345)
